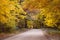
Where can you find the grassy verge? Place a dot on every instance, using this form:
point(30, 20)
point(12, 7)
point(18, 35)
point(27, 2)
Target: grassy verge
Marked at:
point(6, 35)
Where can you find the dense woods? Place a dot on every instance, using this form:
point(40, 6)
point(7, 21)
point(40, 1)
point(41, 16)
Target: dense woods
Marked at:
point(17, 14)
point(48, 11)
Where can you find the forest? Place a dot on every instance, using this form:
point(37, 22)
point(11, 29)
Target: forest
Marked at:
point(31, 14)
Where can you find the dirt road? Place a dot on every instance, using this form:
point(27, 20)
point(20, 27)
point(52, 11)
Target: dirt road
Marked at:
point(33, 34)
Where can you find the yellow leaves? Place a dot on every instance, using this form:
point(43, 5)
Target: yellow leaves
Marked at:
point(38, 4)
point(8, 11)
point(11, 7)
point(49, 10)
point(20, 10)
point(35, 4)
point(4, 2)
point(49, 22)
point(3, 19)
point(50, 17)
point(59, 27)
point(56, 1)
point(30, 24)
point(22, 17)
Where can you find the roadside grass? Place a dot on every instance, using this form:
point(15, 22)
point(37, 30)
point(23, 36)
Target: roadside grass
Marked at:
point(53, 31)
point(9, 34)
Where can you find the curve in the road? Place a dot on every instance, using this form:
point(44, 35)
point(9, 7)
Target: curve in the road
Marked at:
point(33, 34)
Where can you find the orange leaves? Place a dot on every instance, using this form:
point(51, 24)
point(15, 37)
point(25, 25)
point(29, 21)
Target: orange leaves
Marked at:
point(4, 2)
point(35, 4)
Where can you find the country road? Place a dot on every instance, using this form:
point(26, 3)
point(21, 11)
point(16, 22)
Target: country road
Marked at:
point(33, 34)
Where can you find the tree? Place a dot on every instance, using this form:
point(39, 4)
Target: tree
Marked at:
point(10, 13)
point(50, 9)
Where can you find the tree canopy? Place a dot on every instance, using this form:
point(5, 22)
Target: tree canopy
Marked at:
point(49, 10)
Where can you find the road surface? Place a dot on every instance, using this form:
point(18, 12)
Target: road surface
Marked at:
point(33, 34)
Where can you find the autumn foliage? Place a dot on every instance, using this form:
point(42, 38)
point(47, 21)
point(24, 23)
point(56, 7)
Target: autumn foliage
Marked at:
point(10, 14)
point(49, 11)
point(29, 14)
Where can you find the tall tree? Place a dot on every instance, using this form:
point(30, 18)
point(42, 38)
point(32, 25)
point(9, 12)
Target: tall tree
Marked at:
point(50, 9)
point(10, 13)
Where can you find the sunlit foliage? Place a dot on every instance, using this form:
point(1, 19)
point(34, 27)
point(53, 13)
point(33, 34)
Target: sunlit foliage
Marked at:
point(49, 11)
point(11, 13)
point(30, 24)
